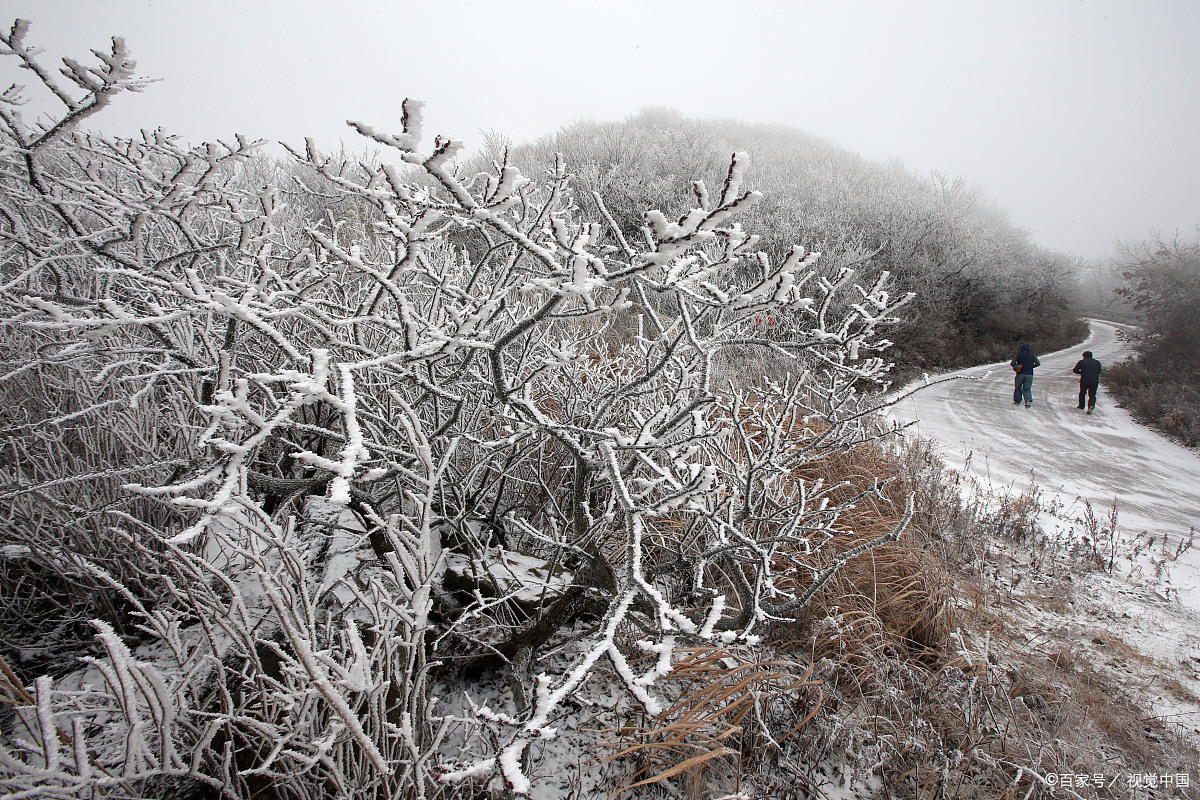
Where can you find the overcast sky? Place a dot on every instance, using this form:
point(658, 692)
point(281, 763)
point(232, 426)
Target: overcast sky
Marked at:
point(1079, 117)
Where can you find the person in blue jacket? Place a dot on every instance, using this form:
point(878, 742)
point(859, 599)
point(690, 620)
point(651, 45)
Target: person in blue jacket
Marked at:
point(1023, 365)
point(1088, 371)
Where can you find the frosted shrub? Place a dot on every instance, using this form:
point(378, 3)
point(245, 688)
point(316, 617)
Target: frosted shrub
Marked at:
point(452, 420)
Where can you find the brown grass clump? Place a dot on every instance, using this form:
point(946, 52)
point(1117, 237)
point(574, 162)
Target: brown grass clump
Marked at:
point(717, 722)
point(895, 595)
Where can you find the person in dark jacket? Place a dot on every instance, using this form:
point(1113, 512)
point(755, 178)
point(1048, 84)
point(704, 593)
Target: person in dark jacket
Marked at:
point(1023, 365)
point(1088, 371)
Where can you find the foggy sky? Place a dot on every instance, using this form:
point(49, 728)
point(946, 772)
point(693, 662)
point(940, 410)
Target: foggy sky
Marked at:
point(1079, 117)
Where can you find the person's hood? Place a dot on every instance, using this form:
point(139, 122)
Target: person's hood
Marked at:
point(1024, 348)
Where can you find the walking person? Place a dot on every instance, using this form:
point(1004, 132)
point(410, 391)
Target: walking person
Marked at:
point(1023, 365)
point(1088, 371)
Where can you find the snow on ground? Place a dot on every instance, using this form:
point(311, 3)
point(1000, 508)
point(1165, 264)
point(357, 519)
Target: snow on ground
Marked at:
point(1140, 622)
point(1066, 452)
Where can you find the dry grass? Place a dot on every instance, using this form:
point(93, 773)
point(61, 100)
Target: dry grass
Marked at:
point(1085, 720)
point(895, 595)
point(716, 724)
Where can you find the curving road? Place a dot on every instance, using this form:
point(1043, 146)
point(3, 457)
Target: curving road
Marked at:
point(1068, 454)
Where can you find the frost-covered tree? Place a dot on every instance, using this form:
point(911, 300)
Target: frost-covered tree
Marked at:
point(1162, 282)
point(318, 434)
point(1160, 385)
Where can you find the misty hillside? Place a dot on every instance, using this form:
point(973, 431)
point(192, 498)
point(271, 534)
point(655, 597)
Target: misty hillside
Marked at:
point(981, 285)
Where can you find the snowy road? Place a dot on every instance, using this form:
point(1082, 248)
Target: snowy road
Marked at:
point(1072, 458)
point(1068, 454)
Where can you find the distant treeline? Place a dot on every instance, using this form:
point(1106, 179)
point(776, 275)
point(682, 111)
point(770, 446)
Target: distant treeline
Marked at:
point(1160, 385)
point(982, 286)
